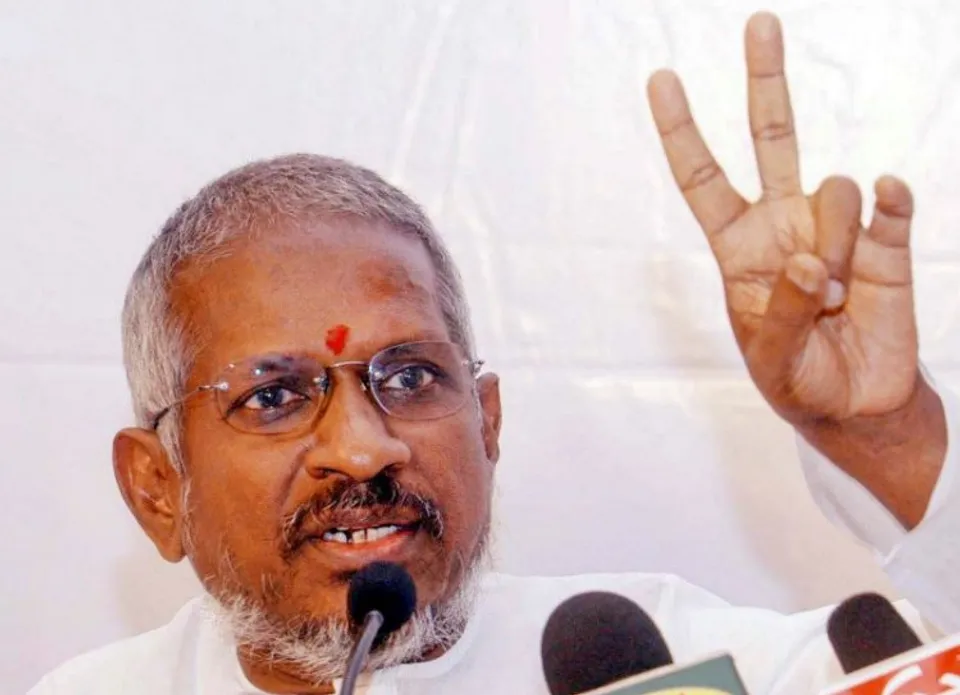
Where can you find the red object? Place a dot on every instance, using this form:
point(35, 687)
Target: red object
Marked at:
point(337, 338)
point(936, 673)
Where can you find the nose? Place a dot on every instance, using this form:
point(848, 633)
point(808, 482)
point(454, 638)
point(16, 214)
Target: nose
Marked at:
point(353, 438)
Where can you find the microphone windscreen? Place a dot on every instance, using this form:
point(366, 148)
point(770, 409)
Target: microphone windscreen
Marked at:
point(866, 629)
point(596, 638)
point(383, 587)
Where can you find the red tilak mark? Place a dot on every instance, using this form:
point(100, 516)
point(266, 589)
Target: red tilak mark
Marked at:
point(337, 338)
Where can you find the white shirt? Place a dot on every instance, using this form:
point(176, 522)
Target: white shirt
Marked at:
point(923, 564)
point(500, 650)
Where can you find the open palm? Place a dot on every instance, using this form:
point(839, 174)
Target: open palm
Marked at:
point(821, 308)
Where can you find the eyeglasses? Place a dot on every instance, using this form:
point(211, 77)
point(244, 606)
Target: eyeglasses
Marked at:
point(284, 393)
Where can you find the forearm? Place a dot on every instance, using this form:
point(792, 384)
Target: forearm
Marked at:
point(898, 457)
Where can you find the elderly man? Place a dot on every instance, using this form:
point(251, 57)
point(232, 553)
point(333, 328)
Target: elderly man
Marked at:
point(309, 400)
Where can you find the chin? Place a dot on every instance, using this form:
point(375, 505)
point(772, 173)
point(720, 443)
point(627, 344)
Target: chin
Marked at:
point(306, 627)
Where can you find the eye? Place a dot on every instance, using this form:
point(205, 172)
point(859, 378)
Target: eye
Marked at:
point(271, 397)
point(410, 378)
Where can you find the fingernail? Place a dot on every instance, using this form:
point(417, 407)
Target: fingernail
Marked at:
point(836, 294)
point(765, 25)
point(802, 277)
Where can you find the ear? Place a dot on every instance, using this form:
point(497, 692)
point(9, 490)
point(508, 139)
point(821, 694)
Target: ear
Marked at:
point(151, 487)
point(488, 387)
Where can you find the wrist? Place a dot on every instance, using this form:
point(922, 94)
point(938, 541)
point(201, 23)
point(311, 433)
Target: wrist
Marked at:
point(897, 456)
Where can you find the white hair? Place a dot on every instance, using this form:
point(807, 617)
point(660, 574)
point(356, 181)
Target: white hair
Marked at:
point(157, 346)
point(318, 651)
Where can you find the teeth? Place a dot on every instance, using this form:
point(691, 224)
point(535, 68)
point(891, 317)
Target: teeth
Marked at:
point(379, 532)
point(336, 537)
point(363, 535)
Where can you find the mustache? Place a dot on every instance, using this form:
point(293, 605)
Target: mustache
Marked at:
point(379, 495)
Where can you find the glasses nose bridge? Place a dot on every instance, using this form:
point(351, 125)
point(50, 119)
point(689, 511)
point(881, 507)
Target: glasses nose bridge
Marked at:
point(350, 363)
point(364, 371)
point(360, 366)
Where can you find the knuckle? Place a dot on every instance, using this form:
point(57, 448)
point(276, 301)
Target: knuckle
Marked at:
point(774, 131)
point(902, 210)
point(701, 176)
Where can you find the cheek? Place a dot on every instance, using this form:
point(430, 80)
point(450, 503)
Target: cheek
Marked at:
point(233, 502)
point(456, 469)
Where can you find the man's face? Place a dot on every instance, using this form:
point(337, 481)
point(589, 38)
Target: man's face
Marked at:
point(266, 513)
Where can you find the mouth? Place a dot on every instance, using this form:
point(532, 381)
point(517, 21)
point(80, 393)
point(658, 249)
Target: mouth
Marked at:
point(354, 538)
point(370, 535)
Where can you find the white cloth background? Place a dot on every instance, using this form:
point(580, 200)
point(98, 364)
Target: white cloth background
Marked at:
point(632, 439)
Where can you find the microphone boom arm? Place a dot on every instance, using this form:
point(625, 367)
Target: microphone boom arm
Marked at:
point(358, 657)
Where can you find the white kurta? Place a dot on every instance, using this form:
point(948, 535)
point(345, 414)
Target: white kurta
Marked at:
point(924, 565)
point(500, 651)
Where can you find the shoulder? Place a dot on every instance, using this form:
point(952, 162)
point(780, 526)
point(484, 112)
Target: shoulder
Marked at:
point(693, 621)
point(144, 664)
point(673, 603)
point(655, 593)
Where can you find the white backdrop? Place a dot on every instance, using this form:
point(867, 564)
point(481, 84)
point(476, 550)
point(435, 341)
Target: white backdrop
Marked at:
point(632, 438)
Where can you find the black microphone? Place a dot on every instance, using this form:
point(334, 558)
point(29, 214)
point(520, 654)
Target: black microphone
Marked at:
point(596, 638)
point(881, 653)
point(381, 598)
point(599, 643)
point(866, 629)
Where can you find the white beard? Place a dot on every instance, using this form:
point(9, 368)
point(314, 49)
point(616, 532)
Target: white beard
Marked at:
point(318, 651)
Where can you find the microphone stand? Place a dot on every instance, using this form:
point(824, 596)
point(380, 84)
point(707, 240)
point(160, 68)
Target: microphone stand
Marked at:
point(372, 623)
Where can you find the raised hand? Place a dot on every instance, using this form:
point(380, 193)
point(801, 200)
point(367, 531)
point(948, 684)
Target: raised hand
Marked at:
point(821, 308)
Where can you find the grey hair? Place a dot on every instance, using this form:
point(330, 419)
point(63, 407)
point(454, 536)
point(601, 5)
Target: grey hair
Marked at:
point(318, 650)
point(157, 349)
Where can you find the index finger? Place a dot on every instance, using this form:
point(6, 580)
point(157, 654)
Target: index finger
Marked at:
point(711, 198)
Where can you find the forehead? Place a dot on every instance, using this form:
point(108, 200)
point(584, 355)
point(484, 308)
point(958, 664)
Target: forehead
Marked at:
point(285, 288)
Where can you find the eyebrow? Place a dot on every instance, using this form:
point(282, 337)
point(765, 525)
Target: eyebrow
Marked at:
point(272, 362)
point(283, 360)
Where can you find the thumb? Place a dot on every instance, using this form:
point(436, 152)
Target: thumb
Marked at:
point(797, 299)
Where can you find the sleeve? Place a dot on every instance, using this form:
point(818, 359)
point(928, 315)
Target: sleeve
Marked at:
point(922, 564)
